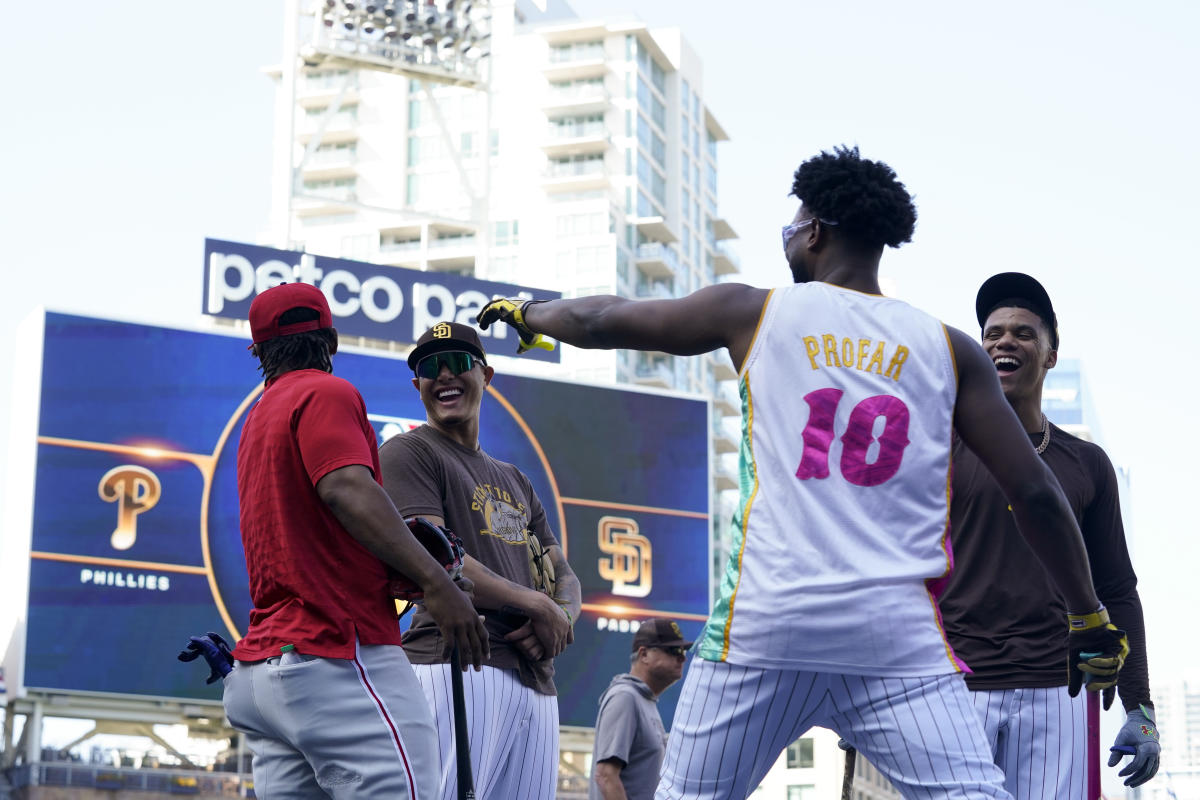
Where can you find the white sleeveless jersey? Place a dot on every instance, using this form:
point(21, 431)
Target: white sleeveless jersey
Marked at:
point(841, 538)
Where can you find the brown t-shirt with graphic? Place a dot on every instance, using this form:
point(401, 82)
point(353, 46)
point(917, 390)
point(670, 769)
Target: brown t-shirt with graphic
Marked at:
point(491, 506)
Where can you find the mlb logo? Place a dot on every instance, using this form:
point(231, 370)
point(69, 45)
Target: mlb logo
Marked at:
point(386, 426)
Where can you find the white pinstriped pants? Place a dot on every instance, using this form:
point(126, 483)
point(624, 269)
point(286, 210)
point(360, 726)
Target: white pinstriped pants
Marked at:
point(732, 722)
point(335, 727)
point(512, 730)
point(1038, 738)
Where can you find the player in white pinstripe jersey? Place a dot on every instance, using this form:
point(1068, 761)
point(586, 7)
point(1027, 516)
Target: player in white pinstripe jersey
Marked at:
point(827, 612)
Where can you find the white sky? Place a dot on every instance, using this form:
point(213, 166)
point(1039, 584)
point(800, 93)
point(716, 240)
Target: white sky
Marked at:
point(1058, 139)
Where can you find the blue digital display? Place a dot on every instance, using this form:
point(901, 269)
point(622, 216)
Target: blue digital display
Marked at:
point(135, 542)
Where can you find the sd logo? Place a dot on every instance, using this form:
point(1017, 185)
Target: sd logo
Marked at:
point(629, 563)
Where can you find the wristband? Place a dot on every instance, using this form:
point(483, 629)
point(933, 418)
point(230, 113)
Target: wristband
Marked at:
point(1084, 622)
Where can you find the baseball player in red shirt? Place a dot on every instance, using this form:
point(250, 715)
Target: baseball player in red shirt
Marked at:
point(321, 688)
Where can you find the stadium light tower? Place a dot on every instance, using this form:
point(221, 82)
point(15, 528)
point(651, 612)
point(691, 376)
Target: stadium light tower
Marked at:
point(434, 41)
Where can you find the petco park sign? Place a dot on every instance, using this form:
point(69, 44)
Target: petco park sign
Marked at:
point(366, 299)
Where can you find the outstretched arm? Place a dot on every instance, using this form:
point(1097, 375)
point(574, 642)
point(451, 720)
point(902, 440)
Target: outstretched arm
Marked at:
point(724, 315)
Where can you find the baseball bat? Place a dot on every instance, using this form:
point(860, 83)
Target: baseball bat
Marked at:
point(1093, 745)
point(462, 748)
point(848, 773)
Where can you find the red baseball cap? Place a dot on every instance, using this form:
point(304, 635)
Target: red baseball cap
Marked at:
point(267, 307)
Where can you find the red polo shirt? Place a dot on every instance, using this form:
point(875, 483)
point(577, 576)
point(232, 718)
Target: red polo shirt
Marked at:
point(312, 584)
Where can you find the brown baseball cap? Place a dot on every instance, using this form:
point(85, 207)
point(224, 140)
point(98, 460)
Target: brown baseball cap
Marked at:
point(447, 336)
point(268, 307)
point(659, 632)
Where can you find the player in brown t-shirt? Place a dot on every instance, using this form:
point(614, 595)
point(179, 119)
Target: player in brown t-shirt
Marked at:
point(439, 471)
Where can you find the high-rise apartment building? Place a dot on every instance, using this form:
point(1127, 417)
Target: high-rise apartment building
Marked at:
point(1177, 712)
point(586, 164)
point(1067, 400)
point(813, 767)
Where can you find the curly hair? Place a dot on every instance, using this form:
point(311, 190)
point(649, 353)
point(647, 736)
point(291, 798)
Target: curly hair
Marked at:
point(308, 350)
point(863, 197)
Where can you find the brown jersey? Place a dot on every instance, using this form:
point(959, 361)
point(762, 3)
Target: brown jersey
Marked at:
point(1001, 612)
point(492, 507)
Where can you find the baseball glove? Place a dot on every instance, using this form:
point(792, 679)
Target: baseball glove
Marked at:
point(443, 545)
point(541, 568)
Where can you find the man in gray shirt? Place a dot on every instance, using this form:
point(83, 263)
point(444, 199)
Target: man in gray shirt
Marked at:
point(630, 738)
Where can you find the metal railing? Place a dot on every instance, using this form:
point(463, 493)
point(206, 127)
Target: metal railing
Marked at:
point(98, 776)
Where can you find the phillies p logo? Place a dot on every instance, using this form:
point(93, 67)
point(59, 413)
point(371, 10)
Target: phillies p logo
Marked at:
point(135, 490)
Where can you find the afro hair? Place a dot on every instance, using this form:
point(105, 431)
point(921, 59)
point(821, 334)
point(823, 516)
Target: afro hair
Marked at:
point(863, 197)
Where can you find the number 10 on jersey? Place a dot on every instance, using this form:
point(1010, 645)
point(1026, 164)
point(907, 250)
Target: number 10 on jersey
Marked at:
point(857, 438)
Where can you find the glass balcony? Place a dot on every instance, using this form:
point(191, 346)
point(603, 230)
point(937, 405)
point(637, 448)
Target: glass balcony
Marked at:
point(725, 399)
point(589, 51)
point(346, 193)
point(339, 155)
point(577, 131)
point(580, 98)
point(324, 81)
point(724, 441)
point(657, 260)
point(655, 290)
point(655, 373)
point(567, 169)
point(396, 246)
point(466, 240)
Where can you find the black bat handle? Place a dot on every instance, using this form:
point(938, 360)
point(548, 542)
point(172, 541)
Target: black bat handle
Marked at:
point(462, 748)
point(848, 773)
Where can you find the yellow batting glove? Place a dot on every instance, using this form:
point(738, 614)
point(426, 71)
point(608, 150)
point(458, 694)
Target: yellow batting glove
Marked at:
point(512, 312)
point(1096, 651)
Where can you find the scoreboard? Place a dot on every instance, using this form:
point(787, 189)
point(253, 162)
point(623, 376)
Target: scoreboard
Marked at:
point(135, 542)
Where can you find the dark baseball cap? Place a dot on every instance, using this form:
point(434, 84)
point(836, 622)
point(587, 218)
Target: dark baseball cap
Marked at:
point(447, 336)
point(267, 307)
point(1016, 286)
point(659, 632)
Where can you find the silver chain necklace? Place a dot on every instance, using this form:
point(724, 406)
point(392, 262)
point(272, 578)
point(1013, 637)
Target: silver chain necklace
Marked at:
point(1041, 448)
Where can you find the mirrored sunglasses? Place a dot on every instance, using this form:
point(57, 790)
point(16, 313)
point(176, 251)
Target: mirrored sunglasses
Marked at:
point(678, 652)
point(458, 362)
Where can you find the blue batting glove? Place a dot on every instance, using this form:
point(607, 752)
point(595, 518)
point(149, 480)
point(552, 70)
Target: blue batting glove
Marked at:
point(216, 652)
point(1138, 737)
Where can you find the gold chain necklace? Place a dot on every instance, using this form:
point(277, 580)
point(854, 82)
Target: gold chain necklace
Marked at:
point(1041, 448)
